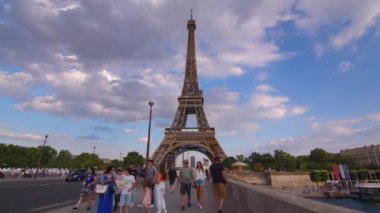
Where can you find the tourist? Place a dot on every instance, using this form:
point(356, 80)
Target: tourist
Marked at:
point(105, 199)
point(160, 190)
point(147, 197)
point(127, 184)
point(119, 177)
point(186, 178)
point(88, 188)
point(172, 173)
point(136, 175)
point(218, 174)
point(150, 174)
point(200, 184)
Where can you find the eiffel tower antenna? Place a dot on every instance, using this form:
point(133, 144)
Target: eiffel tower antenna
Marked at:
point(180, 138)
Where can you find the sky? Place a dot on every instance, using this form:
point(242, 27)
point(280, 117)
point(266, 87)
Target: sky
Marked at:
point(290, 75)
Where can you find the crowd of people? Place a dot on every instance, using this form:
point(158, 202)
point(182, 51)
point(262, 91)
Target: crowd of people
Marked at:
point(7, 172)
point(115, 188)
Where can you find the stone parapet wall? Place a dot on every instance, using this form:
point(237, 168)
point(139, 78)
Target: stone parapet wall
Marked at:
point(251, 178)
point(247, 198)
point(290, 181)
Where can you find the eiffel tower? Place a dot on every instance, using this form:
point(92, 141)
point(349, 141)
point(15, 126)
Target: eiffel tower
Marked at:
point(179, 138)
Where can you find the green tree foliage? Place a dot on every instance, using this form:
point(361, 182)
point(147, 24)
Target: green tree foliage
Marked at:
point(284, 161)
point(319, 159)
point(315, 176)
point(258, 167)
point(266, 160)
point(133, 157)
point(85, 160)
point(363, 174)
point(63, 159)
point(302, 162)
point(354, 174)
point(229, 161)
point(324, 175)
point(48, 156)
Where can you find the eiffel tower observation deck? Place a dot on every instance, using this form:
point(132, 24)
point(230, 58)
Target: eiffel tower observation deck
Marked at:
point(179, 138)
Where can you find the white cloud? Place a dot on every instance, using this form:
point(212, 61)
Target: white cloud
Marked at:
point(143, 140)
point(130, 131)
point(21, 136)
point(332, 136)
point(261, 76)
point(344, 66)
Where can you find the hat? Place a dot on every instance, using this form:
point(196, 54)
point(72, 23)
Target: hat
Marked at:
point(186, 161)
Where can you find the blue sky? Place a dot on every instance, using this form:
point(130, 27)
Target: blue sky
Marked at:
point(291, 75)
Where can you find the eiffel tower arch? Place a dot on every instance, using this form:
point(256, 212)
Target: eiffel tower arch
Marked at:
point(179, 138)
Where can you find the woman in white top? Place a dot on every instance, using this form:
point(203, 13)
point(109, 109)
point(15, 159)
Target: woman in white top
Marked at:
point(200, 184)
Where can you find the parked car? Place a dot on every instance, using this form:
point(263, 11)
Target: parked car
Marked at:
point(76, 175)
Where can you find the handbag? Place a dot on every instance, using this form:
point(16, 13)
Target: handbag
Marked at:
point(100, 189)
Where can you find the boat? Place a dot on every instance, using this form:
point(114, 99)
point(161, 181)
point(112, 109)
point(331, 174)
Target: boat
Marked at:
point(366, 192)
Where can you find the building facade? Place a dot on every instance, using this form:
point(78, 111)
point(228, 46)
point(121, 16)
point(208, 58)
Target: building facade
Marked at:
point(364, 156)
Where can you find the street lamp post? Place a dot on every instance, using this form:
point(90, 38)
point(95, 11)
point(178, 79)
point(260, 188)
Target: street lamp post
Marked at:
point(39, 160)
point(150, 121)
point(93, 151)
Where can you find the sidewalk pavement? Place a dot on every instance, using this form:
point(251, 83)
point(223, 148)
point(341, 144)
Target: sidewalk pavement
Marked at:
point(2, 180)
point(173, 203)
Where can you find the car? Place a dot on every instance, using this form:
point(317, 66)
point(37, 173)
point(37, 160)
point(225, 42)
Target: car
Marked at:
point(76, 175)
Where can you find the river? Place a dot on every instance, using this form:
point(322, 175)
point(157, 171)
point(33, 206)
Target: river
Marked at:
point(353, 204)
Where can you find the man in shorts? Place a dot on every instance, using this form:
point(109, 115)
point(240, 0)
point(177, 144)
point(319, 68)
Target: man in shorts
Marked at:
point(186, 179)
point(218, 174)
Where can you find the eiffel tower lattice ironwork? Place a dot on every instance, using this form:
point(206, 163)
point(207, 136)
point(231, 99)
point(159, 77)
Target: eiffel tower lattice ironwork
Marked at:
point(178, 138)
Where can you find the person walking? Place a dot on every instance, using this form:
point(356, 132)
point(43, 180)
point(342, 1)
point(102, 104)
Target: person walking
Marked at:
point(200, 184)
point(150, 174)
point(127, 184)
point(218, 174)
point(160, 190)
point(147, 197)
point(186, 179)
point(172, 173)
point(105, 199)
point(135, 174)
point(119, 177)
point(88, 188)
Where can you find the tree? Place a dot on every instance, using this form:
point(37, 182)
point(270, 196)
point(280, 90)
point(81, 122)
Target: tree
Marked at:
point(133, 157)
point(63, 159)
point(302, 162)
point(48, 156)
point(229, 161)
point(86, 160)
point(315, 176)
point(284, 161)
point(324, 175)
point(363, 174)
point(258, 167)
point(319, 159)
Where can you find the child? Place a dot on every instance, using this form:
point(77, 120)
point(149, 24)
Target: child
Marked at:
point(126, 184)
point(147, 195)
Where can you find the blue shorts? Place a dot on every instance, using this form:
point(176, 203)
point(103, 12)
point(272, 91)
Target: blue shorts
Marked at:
point(125, 200)
point(199, 182)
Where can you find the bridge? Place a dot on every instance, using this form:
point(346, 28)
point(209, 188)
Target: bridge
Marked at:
point(242, 198)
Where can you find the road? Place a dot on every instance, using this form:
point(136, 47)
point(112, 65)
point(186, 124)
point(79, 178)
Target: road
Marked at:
point(56, 196)
point(36, 195)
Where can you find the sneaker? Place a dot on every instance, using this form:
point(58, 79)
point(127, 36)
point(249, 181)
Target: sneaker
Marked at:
point(132, 204)
point(88, 208)
point(165, 211)
point(189, 204)
point(220, 211)
point(75, 209)
point(152, 206)
point(201, 207)
point(183, 208)
point(172, 191)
